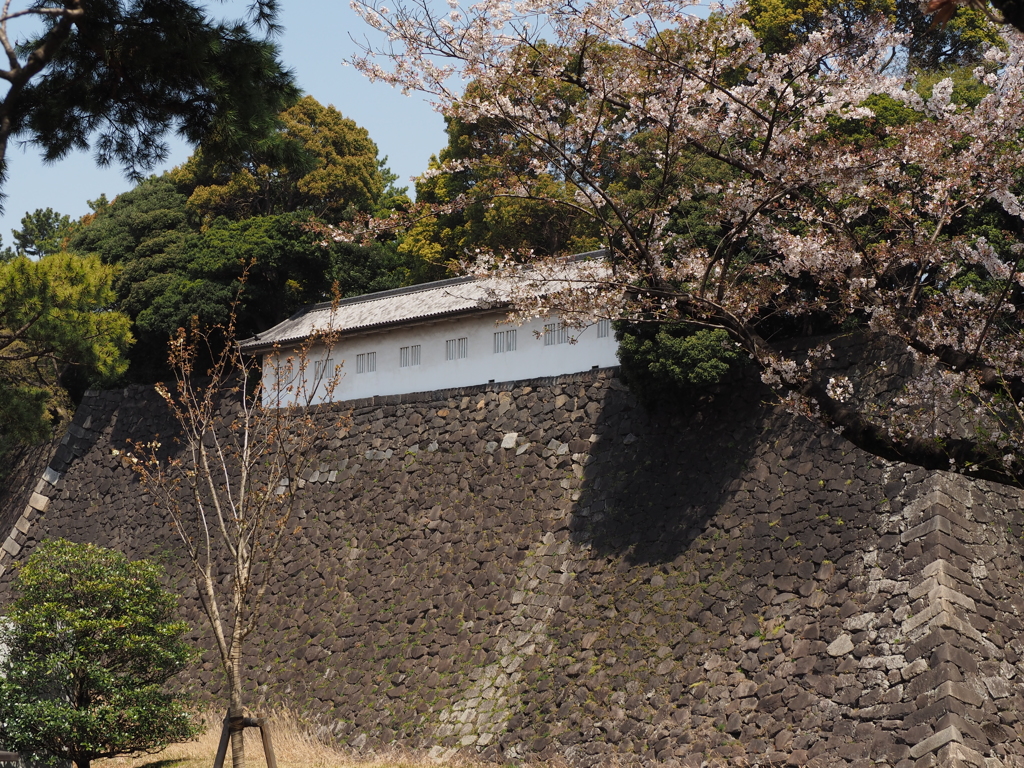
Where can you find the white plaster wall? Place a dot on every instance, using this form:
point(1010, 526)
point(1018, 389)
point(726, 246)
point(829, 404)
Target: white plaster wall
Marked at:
point(531, 359)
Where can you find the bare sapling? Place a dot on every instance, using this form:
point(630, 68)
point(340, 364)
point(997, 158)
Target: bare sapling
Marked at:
point(231, 482)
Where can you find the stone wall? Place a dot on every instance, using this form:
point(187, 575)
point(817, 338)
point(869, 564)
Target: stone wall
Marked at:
point(544, 569)
point(19, 480)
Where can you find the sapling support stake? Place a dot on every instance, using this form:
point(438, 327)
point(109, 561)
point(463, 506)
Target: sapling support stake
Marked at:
point(233, 725)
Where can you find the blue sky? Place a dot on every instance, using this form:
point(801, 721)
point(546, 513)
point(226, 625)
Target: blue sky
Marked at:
point(317, 39)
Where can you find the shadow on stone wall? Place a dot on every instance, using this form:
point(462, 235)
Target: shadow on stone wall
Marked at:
point(544, 569)
point(654, 478)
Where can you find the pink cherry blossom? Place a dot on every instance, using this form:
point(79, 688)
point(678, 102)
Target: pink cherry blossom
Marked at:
point(824, 215)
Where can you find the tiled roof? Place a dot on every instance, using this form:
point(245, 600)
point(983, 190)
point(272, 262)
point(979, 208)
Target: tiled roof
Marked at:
point(375, 310)
point(395, 307)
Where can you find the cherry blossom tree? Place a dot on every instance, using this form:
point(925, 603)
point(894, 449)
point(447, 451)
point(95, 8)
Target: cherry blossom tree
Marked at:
point(815, 192)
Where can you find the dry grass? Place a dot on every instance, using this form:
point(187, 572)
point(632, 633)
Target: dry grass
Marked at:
point(294, 747)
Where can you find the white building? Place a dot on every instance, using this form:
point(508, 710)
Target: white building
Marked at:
point(434, 336)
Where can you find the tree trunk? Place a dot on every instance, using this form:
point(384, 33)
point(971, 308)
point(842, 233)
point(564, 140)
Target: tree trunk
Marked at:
point(236, 709)
point(10, 109)
point(237, 740)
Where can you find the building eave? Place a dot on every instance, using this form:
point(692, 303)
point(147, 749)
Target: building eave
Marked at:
point(255, 346)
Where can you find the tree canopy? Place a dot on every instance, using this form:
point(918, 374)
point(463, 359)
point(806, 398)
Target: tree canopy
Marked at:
point(56, 326)
point(118, 75)
point(91, 638)
point(43, 232)
point(963, 39)
point(813, 191)
point(181, 241)
point(316, 161)
point(469, 208)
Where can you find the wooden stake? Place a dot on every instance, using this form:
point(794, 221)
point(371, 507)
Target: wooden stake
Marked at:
point(222, 748)
point(239, 724)
point(268, 745)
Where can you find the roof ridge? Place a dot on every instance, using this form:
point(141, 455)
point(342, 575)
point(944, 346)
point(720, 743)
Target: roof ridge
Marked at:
point(387, 293)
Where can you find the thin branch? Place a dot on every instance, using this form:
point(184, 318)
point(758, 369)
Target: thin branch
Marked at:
point(54, 12)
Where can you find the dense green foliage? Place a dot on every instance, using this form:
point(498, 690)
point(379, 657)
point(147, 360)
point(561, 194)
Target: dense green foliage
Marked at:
point(43, 232)
point(91, 639)
point(56, 328)
point(664, 362)
point(499, 224)
point(182, 241)
point(144, 222)
point(290, 267)
point(316, 161)
point(782, 24)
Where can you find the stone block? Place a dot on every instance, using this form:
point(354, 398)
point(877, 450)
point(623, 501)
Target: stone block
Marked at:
point(941, 540)
point(960, 691)
point(932, 679)
point(38, 502)
point(956, 755)
point(930, 714)
point(841, 646)
point(934, 742)
point(969, 730)
point(998, 687)
point(914, 668)
point(936, 523)
point(942, 592)
point(952, 514)
point(933, 610)
point(964, 660)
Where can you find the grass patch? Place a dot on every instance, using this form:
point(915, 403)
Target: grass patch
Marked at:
point(294, 745)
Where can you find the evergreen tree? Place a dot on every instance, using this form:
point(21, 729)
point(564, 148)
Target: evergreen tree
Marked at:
point(56, 328)
point(91, 639)
point(43, 231)
point(117, 75)
point(317, 161)
point(484, 217)
point(173, 265)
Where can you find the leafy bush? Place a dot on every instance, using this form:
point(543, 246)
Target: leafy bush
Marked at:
point(661, 363)
point(90, 640)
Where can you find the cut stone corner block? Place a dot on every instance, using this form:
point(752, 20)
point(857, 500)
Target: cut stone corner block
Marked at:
point(936, 741)
point(38, 502)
